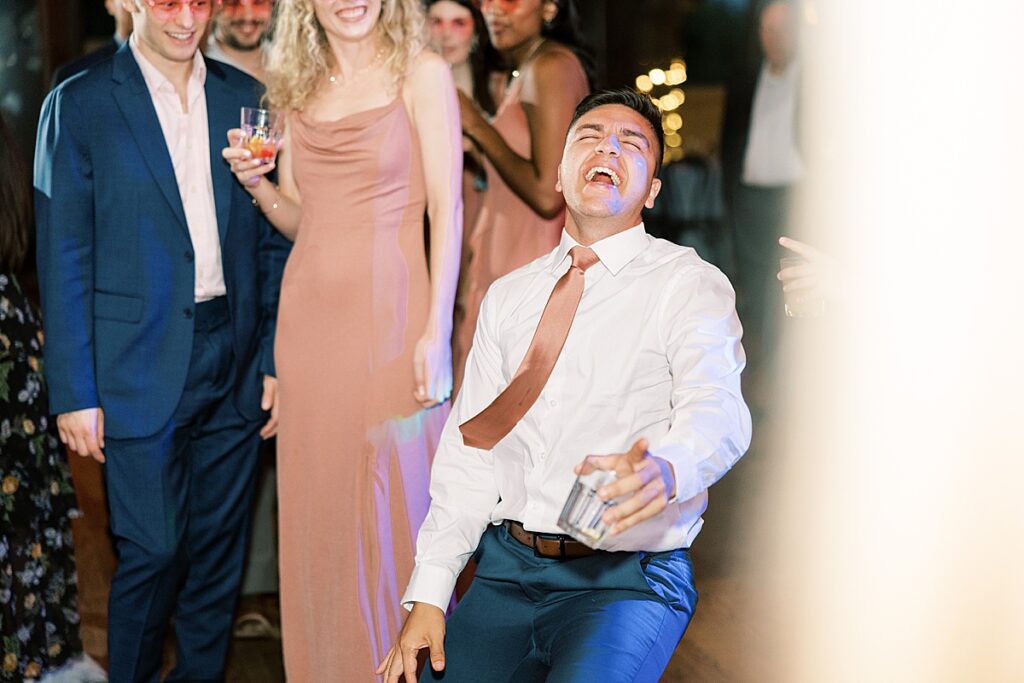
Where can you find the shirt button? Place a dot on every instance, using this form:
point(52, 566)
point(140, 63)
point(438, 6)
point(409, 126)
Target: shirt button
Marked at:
point(188, 313)
point(553, 403)
point(542, 454)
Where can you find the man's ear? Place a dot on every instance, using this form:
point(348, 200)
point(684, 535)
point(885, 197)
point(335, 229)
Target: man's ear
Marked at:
point(653, 194)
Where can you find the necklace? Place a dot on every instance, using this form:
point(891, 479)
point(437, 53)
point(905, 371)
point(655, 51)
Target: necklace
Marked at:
point(335, 77)
point(526, 59)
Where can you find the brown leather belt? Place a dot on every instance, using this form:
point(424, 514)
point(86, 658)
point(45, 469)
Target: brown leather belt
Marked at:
point(552, 546)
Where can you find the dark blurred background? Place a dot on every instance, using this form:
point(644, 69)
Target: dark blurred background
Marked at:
point(715, 37)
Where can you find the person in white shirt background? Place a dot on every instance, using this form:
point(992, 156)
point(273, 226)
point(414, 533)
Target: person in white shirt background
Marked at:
point(649, 373)
point(763, 165)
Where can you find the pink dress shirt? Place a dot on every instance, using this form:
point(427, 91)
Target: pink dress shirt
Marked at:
point(187, 135)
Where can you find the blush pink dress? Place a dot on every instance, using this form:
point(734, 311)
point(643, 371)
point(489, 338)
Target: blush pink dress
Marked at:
point(507, 233)
point(354, 447)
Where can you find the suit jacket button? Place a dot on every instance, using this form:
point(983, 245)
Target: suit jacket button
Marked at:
point(188, 313)
point(189, 256)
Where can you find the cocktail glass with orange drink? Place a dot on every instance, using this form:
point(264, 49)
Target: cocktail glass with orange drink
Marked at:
point(262, 130)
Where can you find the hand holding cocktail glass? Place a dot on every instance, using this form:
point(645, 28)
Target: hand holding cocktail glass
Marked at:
point(253, 147)
point(615, 492)
point(810, 278)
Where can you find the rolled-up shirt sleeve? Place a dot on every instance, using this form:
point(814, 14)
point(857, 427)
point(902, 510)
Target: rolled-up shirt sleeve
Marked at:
point(710, 423)
point(462, 485)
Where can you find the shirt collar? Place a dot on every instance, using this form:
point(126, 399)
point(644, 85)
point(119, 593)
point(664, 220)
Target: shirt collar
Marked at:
point(155, 80)
point(615, 251)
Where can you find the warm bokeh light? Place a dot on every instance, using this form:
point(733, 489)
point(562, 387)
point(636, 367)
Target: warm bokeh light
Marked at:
point(674, 140)
point(661, 85)
point(670, 102)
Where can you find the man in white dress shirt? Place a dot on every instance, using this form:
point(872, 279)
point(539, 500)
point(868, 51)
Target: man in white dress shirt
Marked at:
point(647, 384)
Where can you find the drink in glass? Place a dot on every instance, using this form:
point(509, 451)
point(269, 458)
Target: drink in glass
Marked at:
point(801, 303)
point(581, 514)
point(262, 130)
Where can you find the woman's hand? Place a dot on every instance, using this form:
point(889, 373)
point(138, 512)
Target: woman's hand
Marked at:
point(246, 169)
point(472, 117)
point(432, 366)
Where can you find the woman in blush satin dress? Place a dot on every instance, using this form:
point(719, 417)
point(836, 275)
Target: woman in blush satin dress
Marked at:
point(522, 213)
point(362, 349)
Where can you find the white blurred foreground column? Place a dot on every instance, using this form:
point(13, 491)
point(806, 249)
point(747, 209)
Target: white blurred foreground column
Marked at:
point(899, 484)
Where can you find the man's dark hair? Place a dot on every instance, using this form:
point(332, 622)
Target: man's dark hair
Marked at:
point(627, 97)
point(15, 204)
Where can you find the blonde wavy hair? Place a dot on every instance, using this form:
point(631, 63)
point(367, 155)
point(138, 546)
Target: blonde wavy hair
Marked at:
point(298, 58)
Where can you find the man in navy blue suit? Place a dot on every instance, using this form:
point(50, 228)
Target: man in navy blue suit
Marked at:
point(158, 278)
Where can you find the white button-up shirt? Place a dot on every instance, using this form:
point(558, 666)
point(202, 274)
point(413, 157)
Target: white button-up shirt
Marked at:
point(187, 135)
point(772, 158)
point(654, 351)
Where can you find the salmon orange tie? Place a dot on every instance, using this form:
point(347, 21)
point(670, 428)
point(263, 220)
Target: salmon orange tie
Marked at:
point(498, 419)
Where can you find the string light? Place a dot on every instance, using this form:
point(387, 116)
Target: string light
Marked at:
point(662, 86)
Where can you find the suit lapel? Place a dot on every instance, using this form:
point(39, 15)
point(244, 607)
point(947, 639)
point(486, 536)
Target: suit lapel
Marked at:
point(132, 96)
point(222, 114)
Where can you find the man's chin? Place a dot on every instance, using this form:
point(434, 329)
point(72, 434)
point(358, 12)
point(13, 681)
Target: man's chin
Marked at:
point(597, 209)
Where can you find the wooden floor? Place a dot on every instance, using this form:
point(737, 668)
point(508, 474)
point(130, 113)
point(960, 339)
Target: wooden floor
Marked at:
point(728, 640)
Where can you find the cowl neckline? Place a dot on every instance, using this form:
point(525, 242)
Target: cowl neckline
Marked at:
point(353, 120)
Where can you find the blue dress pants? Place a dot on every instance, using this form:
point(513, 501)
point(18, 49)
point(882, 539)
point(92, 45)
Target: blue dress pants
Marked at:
point(610, 617)
point(179, 511)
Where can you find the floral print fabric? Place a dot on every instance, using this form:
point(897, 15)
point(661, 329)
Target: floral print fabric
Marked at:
point(38, 587)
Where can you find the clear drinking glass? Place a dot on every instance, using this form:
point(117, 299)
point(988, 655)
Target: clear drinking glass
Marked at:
point(263, 131)
point(801, 303)
point(581, 514)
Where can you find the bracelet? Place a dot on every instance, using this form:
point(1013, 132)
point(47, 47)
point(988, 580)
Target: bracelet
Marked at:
point(272, 207)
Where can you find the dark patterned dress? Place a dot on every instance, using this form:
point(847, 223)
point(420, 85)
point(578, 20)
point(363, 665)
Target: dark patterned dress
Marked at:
point(38, 587)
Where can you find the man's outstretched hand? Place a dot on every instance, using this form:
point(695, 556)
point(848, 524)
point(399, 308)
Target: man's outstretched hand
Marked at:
point(650, 482)
point(424, 628)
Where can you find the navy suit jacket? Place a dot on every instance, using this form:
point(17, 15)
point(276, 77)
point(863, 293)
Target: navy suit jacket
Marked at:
point(116, 265)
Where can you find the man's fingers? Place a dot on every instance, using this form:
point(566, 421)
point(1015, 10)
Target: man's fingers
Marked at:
point(436, 653)
point(637, 452)
point(99, 429)
point(631, 482)
point(795, 272)
point(798, 247)
point(386, 663)
point(409, 663)
point(648, 502)
point(94, 450)
point(801, 284)
point(597, 462)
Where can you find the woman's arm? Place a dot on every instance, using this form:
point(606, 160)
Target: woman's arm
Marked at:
point(281, 205)
point(431, 100)
point(552, 87)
